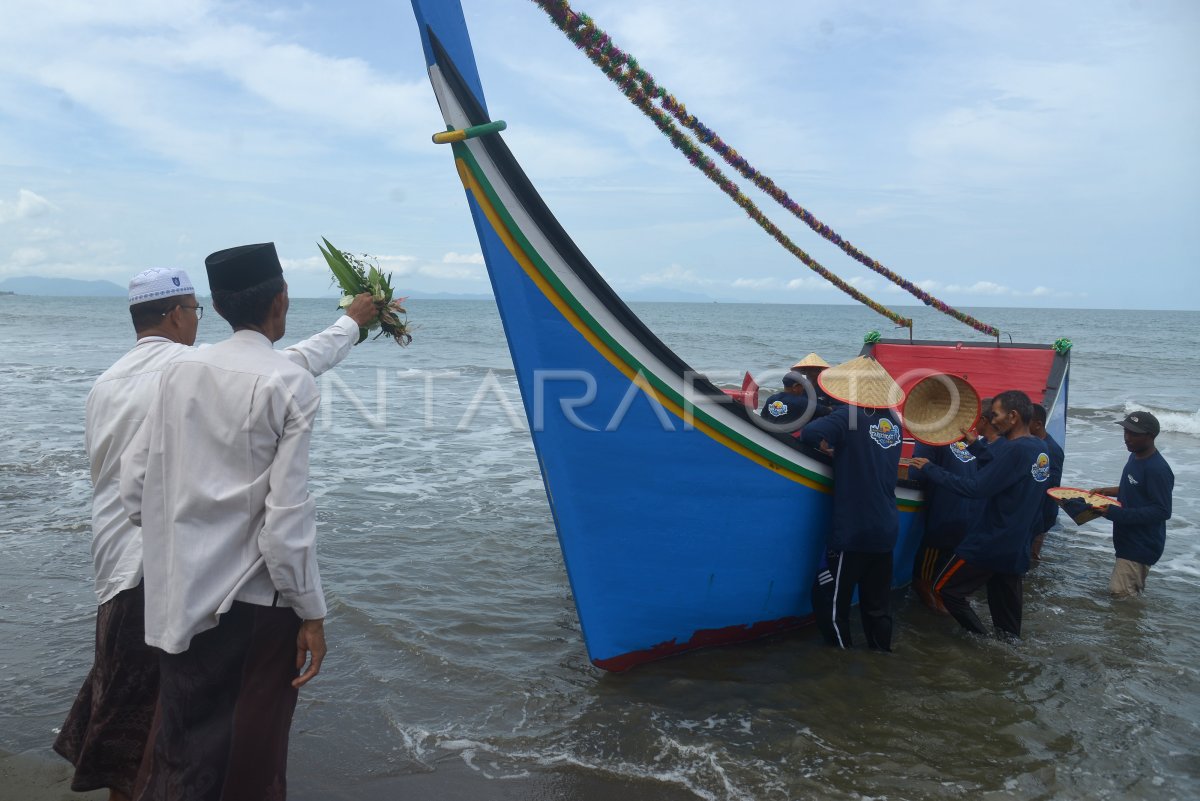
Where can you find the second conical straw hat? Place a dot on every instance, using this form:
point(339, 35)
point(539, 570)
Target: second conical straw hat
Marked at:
point(861, 382)
point(939, 408)
point(811, 360)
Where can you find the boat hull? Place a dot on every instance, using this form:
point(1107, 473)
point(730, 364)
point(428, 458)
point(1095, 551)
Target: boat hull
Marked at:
point(683, 521)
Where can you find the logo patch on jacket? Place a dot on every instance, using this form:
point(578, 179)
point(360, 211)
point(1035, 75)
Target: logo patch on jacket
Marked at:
point(1132, 480)
point(777, 408)
point(1041, 467)
point(885, 433)
point(959, 449)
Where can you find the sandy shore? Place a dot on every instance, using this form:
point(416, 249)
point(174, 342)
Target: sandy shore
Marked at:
point(39, 776)
point(43, 776)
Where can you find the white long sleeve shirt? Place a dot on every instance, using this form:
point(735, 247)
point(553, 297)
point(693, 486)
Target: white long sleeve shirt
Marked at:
point(218, 478)
point(116, 407)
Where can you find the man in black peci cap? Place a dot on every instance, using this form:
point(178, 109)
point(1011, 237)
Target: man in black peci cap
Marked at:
point(1140, 522)
point(105, 733)
point(219, 484)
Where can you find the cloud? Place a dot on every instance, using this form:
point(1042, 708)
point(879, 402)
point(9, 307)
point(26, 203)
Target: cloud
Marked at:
point(452, 271)
point(992, 289)
point(462, 258)
point(809, 282)
point(28, 204)
point(401, 265)
point(672, 275)
point(755, 283)
point(84, 259)
point(26, 257)
point(199, 90)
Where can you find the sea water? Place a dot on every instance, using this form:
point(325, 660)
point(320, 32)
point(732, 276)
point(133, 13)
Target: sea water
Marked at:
point(452, 630)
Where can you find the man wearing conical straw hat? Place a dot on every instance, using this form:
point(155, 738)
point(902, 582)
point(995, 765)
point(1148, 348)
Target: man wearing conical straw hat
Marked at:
point(995, 551)
point(864, 439)
point(811, 366)
point(810, 369)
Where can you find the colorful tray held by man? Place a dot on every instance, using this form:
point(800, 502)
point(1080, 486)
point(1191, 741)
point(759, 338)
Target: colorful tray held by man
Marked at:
point(1093, 503)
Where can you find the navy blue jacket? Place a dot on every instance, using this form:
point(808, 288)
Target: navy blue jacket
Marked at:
point(789, 409)
point(1140, 525)
point(1049, 505)
point(948, 515)
point(866, 461)
point(983, 451)
point(1013, 483)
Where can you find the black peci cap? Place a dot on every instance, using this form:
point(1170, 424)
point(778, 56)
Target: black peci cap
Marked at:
point(235, 269)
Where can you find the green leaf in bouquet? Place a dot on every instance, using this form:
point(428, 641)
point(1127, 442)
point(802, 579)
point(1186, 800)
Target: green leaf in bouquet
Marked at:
point(356, 275)
point(349, 279)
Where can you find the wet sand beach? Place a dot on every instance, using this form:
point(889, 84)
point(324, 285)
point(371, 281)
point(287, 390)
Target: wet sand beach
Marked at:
point(39, 776)
point(43, 776)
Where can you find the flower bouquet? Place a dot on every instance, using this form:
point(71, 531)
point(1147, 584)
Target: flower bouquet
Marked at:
point(356, 275)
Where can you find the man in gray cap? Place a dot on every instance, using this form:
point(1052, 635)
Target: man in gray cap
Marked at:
point(234, 602)
point(105, 733)
point(1140, 522)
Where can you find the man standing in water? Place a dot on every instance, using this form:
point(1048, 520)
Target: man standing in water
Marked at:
point(1140, 523)
point(105, 733)
point(1037, 427)
point(995, 551)
point(948, 516)
point(864, 438)
point(218, 479)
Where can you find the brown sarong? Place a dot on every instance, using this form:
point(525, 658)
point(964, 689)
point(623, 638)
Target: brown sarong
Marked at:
point(225, 710)
point(105, 734)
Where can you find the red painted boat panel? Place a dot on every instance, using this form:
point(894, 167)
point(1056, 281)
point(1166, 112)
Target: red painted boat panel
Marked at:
point(989, 369)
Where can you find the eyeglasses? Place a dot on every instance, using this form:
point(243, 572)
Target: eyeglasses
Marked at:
point(199, 310)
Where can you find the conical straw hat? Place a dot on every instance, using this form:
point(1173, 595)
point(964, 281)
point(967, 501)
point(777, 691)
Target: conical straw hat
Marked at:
point(939, 408)
point(811, 360)
point(861, 382)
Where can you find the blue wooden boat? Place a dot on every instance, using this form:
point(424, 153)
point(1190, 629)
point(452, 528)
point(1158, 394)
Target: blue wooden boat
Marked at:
point(651, 471)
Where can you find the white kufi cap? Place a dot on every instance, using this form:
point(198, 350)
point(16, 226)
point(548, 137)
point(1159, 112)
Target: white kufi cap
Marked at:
point(159, 282)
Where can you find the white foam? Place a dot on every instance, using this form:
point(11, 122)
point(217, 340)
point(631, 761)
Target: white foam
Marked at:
point(465, 745)
point(1171, 421)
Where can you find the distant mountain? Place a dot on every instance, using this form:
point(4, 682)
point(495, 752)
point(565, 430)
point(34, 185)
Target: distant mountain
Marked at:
point(62, 287)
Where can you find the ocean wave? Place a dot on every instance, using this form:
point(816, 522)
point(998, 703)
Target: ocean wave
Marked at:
point(1170, 420)
point(1174, 421)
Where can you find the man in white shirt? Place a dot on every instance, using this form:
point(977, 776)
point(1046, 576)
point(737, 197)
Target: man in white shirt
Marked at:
point(105, 734)
point(218, 480)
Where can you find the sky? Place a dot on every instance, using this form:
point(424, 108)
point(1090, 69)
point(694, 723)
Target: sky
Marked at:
point(998, 154)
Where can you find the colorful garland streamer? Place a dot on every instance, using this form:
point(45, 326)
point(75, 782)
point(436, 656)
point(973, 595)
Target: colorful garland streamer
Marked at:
point(1062, 345)
point(641, 89)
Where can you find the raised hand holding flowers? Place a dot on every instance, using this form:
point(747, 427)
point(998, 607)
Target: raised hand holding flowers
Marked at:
point(356, 275)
